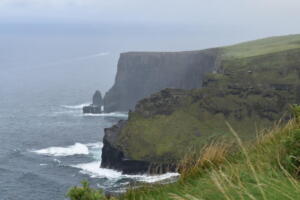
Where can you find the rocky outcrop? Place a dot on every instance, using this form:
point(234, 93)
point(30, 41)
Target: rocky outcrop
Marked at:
point(96, 106)
point(114, 158)
point(97, 99)
point(141, 74)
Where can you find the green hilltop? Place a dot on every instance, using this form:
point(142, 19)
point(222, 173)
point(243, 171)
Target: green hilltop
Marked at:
point(263, 46)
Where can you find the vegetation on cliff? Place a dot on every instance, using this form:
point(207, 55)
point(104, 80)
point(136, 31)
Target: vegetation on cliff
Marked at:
point(267, 168)
point(255, 83)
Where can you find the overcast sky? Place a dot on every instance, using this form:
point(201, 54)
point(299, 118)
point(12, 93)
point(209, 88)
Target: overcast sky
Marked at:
point(39, 32)
point(197, 12)
point(228, 20)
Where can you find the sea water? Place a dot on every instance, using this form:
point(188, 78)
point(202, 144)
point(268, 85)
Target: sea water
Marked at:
point(47, 144)
point(46, 151)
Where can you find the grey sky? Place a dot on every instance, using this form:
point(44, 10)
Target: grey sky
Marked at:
point(197, 12)
point(48, 34)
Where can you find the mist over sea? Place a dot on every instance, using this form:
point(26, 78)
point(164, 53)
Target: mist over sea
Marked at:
point(46, 144)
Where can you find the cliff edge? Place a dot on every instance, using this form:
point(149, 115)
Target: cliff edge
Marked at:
point(254, 85)
point(140, 74)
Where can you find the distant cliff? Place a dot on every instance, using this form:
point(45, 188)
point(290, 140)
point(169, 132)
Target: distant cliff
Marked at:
point(143, 73)
point(253, 87)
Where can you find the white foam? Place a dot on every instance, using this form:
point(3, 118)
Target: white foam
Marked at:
point(79, 106)
point(93, 170)
point(76, 149)
point(112, 114)
point(153, 178)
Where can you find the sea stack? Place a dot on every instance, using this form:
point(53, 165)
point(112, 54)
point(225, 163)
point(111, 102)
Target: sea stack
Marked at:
point(96, 106)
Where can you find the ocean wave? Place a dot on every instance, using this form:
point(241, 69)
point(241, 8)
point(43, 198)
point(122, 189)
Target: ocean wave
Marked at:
point(76, 111)
point(153, 178)
point(76, 149)
point(79, 106)
point(112, 114)
point(94, 171)
point(93, 168)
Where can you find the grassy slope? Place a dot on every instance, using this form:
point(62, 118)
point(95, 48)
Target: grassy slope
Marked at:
point(233, 95)
point(259, 172)
point(263, 46)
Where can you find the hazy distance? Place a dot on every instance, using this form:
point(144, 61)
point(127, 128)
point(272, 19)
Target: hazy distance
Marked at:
point(61, 42)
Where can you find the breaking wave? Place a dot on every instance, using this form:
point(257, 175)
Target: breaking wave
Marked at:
point(112, 114)
point(79, 106)
point(76, 110)
point(76, 149)
point(94, 171)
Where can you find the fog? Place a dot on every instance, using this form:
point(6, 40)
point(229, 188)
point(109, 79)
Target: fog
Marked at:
point(48, 44)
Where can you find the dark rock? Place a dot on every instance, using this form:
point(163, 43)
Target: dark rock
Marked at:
point(97, 99)
point(92, 109)
point(114, 158)
point(164, 102)
point(96, 106)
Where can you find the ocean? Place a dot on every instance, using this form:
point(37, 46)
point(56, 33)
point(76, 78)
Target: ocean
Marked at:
point(46, 144)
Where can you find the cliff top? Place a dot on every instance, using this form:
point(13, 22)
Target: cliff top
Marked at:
point(245, 49)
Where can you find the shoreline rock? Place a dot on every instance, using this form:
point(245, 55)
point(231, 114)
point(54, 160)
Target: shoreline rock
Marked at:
point(114, 158)
point(97, 106)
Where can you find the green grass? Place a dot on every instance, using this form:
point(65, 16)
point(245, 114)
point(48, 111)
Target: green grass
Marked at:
point(259, 171)
point(262, 46)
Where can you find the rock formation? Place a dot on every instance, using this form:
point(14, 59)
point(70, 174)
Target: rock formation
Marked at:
point(96, 106)
point(97, 99)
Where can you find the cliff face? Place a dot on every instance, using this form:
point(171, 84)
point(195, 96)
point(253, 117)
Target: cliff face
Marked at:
point(250, 92)
point(141, 74)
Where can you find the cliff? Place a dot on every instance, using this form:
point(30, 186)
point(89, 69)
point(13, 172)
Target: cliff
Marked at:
point(254, 85)
point(140, 74)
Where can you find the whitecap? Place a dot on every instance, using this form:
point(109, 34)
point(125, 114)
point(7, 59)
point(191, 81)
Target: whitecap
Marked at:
point(94, 171)
point(112, 114)
point(79, 106)
point(76, 149)
point(153, 178)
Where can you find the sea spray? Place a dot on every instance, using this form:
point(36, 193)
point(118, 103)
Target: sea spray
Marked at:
point(76, 149)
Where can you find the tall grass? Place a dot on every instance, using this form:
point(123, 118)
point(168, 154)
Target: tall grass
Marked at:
point(259, 175)
point(257, 171)
point(213, 154)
